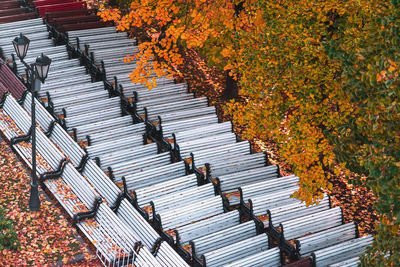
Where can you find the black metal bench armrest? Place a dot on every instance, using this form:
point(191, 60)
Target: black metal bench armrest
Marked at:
point(55, 174)
point(78, 217)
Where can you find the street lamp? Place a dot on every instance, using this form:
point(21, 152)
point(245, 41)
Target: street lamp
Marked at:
point(38, 72)
point(21, 45)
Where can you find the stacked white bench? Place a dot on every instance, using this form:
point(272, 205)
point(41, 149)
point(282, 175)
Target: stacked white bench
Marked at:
point(311, 229)
point(89, 170)
point(103, 231)
point(195, 139)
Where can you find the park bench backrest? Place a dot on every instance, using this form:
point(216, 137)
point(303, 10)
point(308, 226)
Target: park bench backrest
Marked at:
point(236, 251)
point(60, 22)
point(12, 11)
point(342, 251)
point(84, 26)
point(167, 256)
point(270, 257)
point(17, 17)
point(329, 237)
point(11, 82)
point(42, 10)
point(50, 16)
point(9, 4)
point(38, 3)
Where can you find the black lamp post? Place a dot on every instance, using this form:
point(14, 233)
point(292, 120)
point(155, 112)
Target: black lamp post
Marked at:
point(38, 72)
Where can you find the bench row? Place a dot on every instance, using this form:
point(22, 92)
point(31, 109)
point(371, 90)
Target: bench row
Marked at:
point(8, 106)
point(179, 210)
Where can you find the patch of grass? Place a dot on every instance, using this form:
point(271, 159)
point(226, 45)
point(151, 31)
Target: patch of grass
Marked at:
point(8, 234)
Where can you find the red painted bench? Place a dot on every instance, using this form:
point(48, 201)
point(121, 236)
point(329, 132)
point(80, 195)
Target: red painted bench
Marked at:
point(3, 89)
point(50, 16)
point(84, 26)
point(11, 82)
point(42, 10)
point(9, 4)
point(51, 2)
point(59, 22)
point(18, 17)
point(12, 11)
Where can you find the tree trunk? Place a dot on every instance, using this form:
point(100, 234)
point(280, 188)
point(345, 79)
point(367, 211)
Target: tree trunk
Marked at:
point(113, 3)
point(231, 87)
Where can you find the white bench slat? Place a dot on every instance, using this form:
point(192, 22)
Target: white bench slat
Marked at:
point(155, 175)
point(188, 196)
point(191, 213)
point(312, 223)
point(341, 251)
point(168, 257)
point(237, 251)
point(327, 238)
point(224, 238)
point(266, 258)
point(208, 226)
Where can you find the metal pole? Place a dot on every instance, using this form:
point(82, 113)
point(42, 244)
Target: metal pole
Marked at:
point(34, 202)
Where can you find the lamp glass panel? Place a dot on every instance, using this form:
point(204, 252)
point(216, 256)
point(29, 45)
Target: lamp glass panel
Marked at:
point(42, 71)
point(42, 66)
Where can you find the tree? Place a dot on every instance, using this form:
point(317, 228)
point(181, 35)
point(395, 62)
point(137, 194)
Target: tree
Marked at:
point(211, 27)
point(324, 85)
point(291, 90)
point(320, 78)
point(368, 142)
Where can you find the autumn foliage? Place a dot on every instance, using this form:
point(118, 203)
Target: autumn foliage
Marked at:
point(318, 78)
point(368, 140)
point(172, 25)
